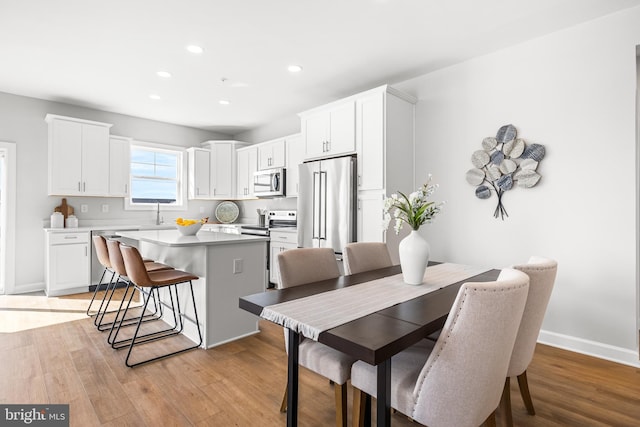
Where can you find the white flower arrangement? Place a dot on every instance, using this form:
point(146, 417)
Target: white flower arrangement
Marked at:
point(413, 209)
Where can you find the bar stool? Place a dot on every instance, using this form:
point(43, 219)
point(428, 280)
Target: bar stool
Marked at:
point(141, 278)
point(102, 253)
point(117, 264)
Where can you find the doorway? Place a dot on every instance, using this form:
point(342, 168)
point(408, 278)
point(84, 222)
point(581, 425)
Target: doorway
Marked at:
point(7, 216)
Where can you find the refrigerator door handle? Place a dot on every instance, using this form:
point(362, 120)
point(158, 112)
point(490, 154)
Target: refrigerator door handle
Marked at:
point(315, 210)
point(323, 206)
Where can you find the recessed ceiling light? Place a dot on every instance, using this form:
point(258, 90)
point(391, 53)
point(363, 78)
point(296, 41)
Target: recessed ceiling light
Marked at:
point(224, 102)
point(154, 97)
point(164, 74)
point(294, 68)
point(195, 49)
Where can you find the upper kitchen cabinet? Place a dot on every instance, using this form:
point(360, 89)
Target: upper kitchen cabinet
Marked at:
point(272, 154)
point(247, 164)
point(329, 130)
point(199, 161)
point(119, 165)
point(384, 139)
point(295, 156)
point(78, 157)
point(223, 168)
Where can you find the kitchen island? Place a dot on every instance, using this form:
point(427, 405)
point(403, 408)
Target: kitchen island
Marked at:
point(229, 266)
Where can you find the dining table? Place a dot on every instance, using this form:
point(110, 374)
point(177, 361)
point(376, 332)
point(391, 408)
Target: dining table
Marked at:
point(374, 337)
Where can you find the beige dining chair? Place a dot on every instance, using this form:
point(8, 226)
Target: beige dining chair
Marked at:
point(299, 267)
point(542, 275)
point(365, 256)
point(456, 381)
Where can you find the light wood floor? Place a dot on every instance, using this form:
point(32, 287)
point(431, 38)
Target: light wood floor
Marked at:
point(241, 383)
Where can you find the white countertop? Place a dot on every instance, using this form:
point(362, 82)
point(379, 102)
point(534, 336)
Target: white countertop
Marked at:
point(174, 238)
point(110, 228)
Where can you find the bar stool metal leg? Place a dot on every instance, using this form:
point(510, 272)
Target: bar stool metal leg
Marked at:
point(180, 321)
point(95, 292)
point(118, 321)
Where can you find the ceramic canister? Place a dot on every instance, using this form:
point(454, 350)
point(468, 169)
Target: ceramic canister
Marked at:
point(57, 220)
point(72, 221)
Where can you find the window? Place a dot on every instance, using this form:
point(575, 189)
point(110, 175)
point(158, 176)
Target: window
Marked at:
point(156, 176)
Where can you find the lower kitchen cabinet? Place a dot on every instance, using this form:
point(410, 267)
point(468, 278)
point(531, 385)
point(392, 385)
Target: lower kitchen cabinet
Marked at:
point(370, 216)
point(68, 265)
point(280, 241)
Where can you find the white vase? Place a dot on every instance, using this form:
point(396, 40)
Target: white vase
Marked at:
point(414, 257)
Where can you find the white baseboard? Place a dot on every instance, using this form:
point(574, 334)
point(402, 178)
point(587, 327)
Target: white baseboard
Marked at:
point(216, 344)
point(25, 289)
point(590, 348)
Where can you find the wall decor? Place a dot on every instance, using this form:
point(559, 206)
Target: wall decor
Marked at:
point(504, 162)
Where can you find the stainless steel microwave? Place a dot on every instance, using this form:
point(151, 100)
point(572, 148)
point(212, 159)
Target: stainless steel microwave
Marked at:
point(269, 183)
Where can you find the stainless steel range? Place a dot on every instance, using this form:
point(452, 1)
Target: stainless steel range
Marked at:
point(255, 230)
point(282, 219)
point(276, 220)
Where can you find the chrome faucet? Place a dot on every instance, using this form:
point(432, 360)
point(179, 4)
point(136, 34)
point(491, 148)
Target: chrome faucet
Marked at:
point(158, 219)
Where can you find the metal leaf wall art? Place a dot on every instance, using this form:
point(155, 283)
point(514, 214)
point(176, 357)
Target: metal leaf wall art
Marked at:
point(504, 162)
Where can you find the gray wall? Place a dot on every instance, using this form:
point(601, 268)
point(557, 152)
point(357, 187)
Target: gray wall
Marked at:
point(22, 122)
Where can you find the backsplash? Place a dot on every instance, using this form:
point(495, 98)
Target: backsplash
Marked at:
point(248, 213)
point(116, 213)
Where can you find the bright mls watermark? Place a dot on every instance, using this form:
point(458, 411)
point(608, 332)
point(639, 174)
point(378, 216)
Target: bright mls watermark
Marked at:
point(34, 415)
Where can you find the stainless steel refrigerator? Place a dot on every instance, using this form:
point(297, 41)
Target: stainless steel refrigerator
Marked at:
point(327, 203)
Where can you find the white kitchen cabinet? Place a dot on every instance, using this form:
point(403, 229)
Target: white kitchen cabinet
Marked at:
point(119, 165)
point(78, 157)
point(370, 217)
point(280, 241)
point(384, 140)
point(247, 159)
point(330, 130)
point(199, 165)
point(68, 266)
point(223, 168)
point(384, 144)
point(271, 154)
point(370, 140)
point(295, 156)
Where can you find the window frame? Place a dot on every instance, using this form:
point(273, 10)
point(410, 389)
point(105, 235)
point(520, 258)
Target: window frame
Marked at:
point(181, 198)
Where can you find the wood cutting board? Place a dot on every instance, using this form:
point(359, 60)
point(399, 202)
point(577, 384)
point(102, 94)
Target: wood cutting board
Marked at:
point(64, 209)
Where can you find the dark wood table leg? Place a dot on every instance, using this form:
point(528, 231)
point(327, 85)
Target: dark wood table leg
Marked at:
point(383, 402)
point(292, 379)
point(367, 410)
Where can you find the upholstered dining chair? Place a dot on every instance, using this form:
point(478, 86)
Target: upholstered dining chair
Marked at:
point(457, 380)
point(542, 275)
point(365, 256)
point(299, 267)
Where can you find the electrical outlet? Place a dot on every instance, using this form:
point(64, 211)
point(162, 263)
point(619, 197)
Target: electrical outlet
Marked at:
point(105, 208)
point(237, 266)
point(201, 209)
point(84, 208)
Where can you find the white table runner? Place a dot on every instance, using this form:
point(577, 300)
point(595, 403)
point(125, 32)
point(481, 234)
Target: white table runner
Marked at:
point(316, 313)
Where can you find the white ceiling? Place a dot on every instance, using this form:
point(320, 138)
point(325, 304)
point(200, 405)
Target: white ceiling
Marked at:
point(105, 54)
